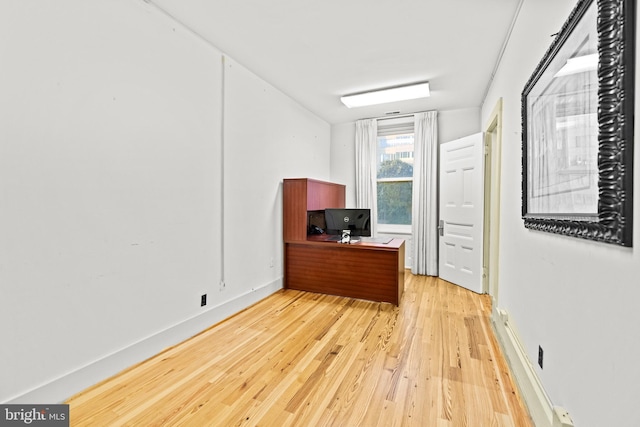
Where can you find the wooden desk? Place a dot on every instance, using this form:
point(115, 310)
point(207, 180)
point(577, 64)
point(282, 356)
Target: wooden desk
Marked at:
point(369, 271)
point(359, 270)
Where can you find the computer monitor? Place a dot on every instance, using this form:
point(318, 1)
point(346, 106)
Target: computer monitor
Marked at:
point(357, 221)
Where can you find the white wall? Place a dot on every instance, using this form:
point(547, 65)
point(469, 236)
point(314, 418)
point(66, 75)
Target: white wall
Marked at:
point(268, 137)
point(343, 159)
point(575, 298)
point(111, 155)
point(454, 124)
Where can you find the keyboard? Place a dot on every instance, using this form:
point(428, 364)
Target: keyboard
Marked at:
point(381, 240)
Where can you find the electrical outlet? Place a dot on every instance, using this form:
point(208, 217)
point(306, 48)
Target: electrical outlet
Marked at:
point(540, 356)
point(203, 300)
point(222, 285)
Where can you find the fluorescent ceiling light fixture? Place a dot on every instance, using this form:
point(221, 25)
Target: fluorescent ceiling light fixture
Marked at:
point(579, 64)
point(402, 93)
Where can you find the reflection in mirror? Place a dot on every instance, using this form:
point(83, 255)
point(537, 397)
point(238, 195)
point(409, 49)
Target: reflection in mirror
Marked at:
point(577, 127)
point(563, 133)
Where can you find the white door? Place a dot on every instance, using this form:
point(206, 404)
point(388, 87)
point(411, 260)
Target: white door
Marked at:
point(461, 211)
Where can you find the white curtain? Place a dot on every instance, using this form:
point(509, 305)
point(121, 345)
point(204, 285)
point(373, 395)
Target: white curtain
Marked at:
point(425, 195)
point(366, 183)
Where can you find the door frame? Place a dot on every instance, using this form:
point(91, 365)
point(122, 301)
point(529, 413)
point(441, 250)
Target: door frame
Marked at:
point(492, 171)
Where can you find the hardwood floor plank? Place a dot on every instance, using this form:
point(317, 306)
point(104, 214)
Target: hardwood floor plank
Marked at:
point(304, 359)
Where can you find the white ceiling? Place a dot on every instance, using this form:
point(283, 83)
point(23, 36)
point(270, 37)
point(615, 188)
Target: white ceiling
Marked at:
point(317, 51)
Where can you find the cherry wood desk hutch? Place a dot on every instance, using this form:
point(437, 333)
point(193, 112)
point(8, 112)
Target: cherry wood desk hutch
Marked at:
point(371, 271)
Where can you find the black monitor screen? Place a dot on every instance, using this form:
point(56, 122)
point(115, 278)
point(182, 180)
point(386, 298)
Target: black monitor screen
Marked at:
point(358, 221)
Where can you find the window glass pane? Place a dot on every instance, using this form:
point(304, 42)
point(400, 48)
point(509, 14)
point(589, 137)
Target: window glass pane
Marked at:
point(395, 156)
point(394, 202)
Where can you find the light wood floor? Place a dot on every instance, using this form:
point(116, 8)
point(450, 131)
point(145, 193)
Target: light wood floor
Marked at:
point(303, 359)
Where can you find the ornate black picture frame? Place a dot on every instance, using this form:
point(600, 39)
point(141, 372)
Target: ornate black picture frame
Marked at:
point(577, 127)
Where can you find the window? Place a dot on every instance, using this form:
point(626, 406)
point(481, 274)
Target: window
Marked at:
point(395, 173)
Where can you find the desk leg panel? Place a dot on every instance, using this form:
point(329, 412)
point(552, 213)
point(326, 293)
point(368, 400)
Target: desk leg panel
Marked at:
point(346, 271)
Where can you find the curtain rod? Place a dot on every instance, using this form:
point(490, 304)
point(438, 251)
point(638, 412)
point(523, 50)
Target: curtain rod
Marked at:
point(399, 116)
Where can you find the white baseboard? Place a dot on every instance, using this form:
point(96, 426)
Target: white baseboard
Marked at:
point(540, 407)
point(60, 389)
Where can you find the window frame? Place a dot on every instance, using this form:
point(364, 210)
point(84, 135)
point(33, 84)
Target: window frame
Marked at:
point(395, 126)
